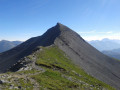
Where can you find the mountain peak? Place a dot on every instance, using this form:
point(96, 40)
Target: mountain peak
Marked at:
point(80, 53)
point(59, 25)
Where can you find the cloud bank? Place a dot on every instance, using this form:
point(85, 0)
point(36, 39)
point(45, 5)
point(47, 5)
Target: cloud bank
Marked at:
point(96, 35)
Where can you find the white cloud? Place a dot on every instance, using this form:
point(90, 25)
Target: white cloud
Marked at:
point(87, 32)
point(95, 35)
point(95, 32)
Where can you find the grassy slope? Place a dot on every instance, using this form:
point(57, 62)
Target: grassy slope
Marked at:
point(61, 73)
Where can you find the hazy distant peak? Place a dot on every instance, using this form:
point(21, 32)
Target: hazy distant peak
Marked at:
point(3, 40)
point(6, 45)
point(105, 39)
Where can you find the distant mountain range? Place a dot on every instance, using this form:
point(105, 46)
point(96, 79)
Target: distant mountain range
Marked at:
point(115, 53)
point(105, 44)
point(108, 47)
point(6, 45)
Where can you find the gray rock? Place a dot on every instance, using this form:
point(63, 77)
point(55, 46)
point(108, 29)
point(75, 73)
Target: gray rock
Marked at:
point(1, 82)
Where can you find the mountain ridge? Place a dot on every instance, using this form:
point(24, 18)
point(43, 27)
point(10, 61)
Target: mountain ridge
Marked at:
point(80, 52)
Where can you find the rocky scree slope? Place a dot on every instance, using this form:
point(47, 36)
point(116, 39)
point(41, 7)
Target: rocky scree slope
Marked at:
point(80, 52)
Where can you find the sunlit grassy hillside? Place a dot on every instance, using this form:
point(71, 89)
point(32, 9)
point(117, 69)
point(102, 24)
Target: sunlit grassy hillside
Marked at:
point(57, 73)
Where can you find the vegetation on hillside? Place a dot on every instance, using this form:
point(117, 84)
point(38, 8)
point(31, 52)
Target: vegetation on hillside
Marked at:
point(61, 73)
point(57, 73)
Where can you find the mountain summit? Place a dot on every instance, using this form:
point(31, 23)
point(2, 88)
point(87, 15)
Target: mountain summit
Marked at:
point(75, 47)
point(11, 57)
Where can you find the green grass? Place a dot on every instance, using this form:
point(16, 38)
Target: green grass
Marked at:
point(25, 84)
point(60, 74)
point(58, 65)
point(21, 82)
point(53, 80)
point(27, 72)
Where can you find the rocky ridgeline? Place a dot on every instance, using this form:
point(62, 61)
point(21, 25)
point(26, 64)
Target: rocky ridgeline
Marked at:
point(11, 79)
point(26, 63)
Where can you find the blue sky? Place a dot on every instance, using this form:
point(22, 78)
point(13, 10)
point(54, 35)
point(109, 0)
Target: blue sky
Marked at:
point(92, 19)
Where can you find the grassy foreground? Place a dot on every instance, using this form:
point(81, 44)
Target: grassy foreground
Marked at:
point(57, 73)
point(61, 73)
